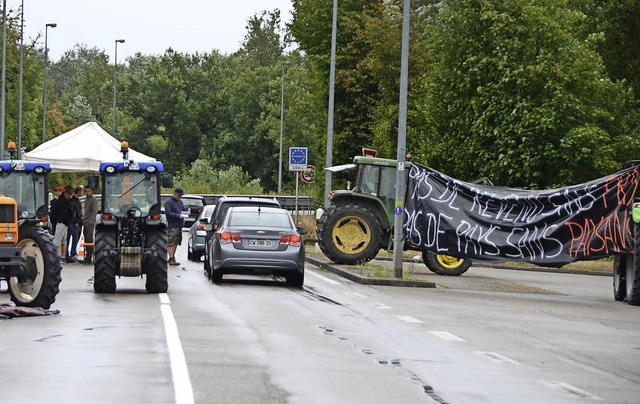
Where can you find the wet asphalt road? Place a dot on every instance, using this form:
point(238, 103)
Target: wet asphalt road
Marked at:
point(254, 340)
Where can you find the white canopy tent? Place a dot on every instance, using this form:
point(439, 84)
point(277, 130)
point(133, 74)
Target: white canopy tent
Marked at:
point(81, 149)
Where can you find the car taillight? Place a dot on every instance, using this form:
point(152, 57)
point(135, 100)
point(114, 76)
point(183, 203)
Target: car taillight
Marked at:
point(154, 217)
point(226, 238)
point(292, 239)
point(107, 216)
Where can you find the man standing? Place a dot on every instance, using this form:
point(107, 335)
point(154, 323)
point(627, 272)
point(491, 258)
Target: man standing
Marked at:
point(174, 211)
point(89, 222)
point(63, 216)
point(75, 226)
point(52, 210)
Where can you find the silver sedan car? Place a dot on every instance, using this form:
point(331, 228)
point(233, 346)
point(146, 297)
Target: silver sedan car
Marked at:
point(258, 240)
point(195, 240)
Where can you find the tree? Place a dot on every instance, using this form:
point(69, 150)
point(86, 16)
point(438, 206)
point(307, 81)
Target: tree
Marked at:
point(518, 96)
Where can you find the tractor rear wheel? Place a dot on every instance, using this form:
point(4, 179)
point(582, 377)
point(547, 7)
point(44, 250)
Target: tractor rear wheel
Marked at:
point(105, 268)
point(445, 264)
point(155, 265)
point(349, 234)
point(42, 280)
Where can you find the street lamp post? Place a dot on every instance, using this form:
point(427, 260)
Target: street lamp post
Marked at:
point(4, 60)
point(401, 186)
point(115, 71)
point(332, 81)
point(281, 129)
point(20, 81)
point(44, 87)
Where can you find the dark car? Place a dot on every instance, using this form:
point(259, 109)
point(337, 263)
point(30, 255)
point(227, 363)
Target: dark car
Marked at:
point(258, 240)
point(223, 204)
point(196, 237)
point(192, 204)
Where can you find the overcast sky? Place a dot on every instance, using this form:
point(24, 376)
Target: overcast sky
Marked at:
point(147, 26)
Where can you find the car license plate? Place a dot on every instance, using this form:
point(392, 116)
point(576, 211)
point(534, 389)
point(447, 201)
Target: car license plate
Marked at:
point(260, 243)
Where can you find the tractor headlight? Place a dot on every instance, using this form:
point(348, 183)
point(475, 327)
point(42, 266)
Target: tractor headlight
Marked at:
point(151, 169)
point(39, 170)
point(8, 236)
point(110, 169)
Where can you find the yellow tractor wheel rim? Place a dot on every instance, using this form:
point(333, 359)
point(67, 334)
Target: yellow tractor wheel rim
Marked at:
point(448, 261)
point(351, 235)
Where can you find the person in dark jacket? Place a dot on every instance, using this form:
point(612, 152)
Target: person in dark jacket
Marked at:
point(57, 192)
point(75, 226)
point(62, 214)
point(175, 213)
point(89, 222)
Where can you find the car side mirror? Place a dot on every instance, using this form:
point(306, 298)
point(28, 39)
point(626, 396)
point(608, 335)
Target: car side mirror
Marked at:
point(301, 230)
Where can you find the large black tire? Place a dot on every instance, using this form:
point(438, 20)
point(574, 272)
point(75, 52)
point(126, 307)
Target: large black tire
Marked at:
point(632, 275)
point(40, 255)
point(190, 249)
point(349, 234)
point(207, 267)
point(295, 280)
point(216, 275)
point(155, 265)
point(105, 267)
point(619, 272)
point(445, 264)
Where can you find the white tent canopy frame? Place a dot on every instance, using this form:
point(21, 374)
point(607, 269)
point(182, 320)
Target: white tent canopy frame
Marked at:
point(81, 149)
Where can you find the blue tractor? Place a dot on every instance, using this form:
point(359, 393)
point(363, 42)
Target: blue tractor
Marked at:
point(29, 260)
point(131, 229)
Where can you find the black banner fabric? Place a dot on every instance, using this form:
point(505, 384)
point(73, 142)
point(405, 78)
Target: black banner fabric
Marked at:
point(550, 227)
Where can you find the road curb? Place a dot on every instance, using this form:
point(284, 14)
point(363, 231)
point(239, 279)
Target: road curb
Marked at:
point(369, 281)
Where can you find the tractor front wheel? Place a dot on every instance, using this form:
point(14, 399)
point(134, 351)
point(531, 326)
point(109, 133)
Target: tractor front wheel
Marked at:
point(40, 285)
point(349, 234)
point(445, 264)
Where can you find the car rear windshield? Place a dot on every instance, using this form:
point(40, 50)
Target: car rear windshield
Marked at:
point(260, 219)
point(192, 202)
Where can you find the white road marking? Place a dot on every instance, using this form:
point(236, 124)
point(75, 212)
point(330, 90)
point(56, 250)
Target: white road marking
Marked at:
point(569, 389)
point(410, 319)
point(447, 336)
point(496, 357)
point(179, 370)
point(381, 306)
point(164, 298)
point(324, 278)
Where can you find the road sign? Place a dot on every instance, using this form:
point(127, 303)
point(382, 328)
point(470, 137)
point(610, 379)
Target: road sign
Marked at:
point(297, 158)
point(309, 175)
point(369, 152)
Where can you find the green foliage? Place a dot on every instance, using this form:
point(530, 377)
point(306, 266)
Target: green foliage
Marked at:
point(530, 93)
point(517, 96)
point(200, 177)
point(79, 111)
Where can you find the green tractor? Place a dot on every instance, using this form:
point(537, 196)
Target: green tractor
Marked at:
point(360, 221)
